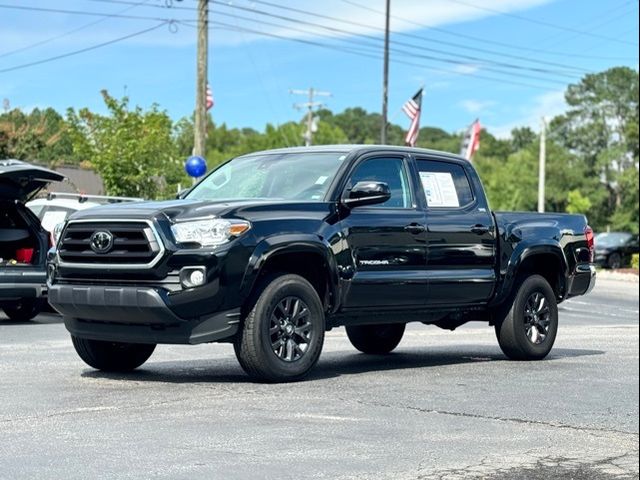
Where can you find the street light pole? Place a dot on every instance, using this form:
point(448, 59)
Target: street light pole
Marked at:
point(542, 165)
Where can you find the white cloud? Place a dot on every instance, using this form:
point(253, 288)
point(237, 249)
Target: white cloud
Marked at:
point(476, 106)
point(407, 15)
point(547, 105)
point(466, 68)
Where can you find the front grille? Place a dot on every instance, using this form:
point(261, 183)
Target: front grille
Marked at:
point(133, 244)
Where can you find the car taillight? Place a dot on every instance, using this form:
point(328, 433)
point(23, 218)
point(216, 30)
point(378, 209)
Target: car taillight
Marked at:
point(591, 244)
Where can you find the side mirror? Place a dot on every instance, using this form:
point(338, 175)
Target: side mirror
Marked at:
point(367, 193)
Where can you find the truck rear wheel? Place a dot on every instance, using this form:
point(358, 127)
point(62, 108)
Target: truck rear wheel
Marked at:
point(112, 356)
point(282, 335)
point(376, 339)
point(529, 328)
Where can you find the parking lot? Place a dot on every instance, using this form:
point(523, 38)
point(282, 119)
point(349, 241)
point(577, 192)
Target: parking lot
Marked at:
point(444, 405)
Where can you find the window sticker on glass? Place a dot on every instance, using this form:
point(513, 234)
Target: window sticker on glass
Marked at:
point(439, 189)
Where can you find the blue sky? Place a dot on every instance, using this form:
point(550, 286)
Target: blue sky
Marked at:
point(505, 61)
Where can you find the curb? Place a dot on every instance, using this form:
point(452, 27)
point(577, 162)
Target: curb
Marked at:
point(617, 276)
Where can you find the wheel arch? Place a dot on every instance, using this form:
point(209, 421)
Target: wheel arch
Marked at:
point(546, 259)
point(304, 255)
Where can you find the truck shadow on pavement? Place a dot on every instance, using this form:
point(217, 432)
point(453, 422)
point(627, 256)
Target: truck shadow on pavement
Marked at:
point(331, 365)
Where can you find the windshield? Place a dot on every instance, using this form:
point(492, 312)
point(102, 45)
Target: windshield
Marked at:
point(287, 176)
point(612, 239)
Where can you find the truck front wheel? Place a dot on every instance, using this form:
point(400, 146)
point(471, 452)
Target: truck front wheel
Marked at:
point(112, 356)
point(376, 339)
point(529, 328)
point(283, 333)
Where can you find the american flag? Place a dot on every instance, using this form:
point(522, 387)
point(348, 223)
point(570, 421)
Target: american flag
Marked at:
point(471, 140)
point(412, 108)
point(209, 97)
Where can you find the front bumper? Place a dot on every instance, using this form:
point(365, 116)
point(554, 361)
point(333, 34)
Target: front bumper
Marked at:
point(135, 314)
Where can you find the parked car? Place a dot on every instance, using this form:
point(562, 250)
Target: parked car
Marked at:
point(23, 241)
point(53, 209)
point(614, 249)
point(273, 248)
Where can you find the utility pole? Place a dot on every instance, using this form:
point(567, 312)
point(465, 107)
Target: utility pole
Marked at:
point(200, 127)
point(542, 165)
point(385, 78)
point(309, 105)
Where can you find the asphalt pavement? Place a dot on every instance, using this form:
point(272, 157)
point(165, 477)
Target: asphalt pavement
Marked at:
point(444, 405)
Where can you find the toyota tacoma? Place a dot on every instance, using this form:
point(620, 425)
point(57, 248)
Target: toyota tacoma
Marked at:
point(272, 249)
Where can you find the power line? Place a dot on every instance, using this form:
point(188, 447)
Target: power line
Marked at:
point(89, 14)
point(359, 52)
point(82, 50)
point(247, 51)
point(351, 33)
point(554, 40)
point(597, 25)
point(542, 22)
point(474, 38)
point(436, 29)
point(422, 39)
point(371, 27)
point(491, 65)
point(70, 32)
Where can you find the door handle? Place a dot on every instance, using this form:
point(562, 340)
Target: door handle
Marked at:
point(415, 228)
point(480, 229)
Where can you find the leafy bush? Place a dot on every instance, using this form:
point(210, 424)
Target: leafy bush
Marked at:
point(635, 259)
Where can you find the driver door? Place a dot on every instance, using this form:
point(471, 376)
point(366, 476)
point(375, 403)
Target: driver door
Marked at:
point(387, 241)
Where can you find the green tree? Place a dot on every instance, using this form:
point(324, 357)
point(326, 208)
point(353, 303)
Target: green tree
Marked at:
point(522, 137)
point(41, 135)
point(577, 203)
point(133, 150)
point(601, 128)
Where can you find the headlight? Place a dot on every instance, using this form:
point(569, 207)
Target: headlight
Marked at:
point(209, 233)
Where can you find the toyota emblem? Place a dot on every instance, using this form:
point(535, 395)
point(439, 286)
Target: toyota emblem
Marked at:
point(101, 241)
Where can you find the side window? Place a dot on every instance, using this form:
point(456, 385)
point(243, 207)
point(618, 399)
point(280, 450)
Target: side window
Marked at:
point(445, 184)
point(392, 172)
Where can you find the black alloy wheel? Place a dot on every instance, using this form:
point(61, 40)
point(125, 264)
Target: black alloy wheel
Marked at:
point(290, 329)
point(283, 331)
point(527, 330)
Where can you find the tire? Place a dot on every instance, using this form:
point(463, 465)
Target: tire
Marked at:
point(614, 261)
point(23, 311)
point(279, 341)
point(376, 339)
point(112, 356)
point(529, 336)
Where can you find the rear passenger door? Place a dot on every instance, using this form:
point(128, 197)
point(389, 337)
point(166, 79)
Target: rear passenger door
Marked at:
point(460, 234)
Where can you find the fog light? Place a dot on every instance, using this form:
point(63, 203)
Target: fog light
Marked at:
point(196, 277)
point(193, 276)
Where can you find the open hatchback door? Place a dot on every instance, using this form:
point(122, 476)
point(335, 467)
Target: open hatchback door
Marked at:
point(21, 181)
point(23, 241)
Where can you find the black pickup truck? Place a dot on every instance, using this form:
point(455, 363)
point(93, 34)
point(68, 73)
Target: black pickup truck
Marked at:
point(274, 248)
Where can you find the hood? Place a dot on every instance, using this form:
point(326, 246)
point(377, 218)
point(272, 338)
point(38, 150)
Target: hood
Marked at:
point(183, 210)
point(20, 180)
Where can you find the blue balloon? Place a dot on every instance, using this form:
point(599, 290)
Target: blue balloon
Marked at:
point(195, 166)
